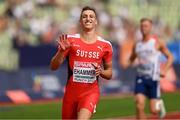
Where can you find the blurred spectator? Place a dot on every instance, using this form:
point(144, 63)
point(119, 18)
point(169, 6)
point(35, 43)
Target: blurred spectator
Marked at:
point(23, 8)
point(162, 29)
point(177, 32)
point(3, 23)
point(51, 34)
point(10, 5)
point(8, 56)
point(19, 35)
point(45, 3)
point(39, 25)
point(147, 2)
point(39, 22)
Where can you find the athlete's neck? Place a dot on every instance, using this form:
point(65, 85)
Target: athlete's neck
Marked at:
point(146, 37)
point(89, 37)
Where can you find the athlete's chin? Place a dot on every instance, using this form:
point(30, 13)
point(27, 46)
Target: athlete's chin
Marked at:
point(145, 32)
point(88, 28)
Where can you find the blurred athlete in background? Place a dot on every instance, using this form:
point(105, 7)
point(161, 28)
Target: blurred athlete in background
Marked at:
point(86, 53)
point(148, 51)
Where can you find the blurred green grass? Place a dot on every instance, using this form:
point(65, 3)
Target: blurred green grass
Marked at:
point(107, 108)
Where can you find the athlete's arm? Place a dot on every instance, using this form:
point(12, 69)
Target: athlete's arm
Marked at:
point(58, 59)
point(106, 73)
point(131, 58)
point(167, 53)
point(133, 55)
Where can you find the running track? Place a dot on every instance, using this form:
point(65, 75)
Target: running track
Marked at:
point(169, 116)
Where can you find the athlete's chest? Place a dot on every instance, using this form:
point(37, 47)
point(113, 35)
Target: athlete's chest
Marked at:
point(145, 49)
point(85, 51)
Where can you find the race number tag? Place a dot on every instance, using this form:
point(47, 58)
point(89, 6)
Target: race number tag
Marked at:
point(84, 72)
point(145, 67)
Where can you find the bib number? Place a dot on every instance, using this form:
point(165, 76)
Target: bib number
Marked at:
point(84, 72)
point(146, 69)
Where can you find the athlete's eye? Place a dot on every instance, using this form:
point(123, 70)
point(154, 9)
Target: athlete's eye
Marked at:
point(84, 16)
point(92, 16)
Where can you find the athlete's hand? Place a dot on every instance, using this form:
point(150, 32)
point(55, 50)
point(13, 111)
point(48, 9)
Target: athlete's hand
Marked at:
point(162, 73)
point(97, 68)
point(63, 42)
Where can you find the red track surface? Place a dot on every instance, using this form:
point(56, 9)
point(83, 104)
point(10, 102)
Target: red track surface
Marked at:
point(169, 116)
point(43, 101)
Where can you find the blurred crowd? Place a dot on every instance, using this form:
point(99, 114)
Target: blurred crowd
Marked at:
point(38, 22)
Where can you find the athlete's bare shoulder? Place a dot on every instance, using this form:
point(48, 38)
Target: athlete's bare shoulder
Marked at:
point(155, 39)
point(158, 42)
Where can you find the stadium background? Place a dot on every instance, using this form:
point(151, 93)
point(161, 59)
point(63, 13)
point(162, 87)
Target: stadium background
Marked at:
point(29, 28)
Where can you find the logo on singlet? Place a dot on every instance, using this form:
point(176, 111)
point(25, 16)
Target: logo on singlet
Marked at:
point(99, 47)
point(87, 54)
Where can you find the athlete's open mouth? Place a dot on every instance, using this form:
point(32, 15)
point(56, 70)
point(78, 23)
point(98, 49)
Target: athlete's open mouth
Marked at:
point(88, 23)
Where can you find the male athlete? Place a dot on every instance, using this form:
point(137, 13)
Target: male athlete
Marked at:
point(86, 53)
point(148, 51)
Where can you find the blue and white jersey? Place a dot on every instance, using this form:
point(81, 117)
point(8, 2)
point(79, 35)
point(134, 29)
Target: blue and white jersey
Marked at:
point(148, 59)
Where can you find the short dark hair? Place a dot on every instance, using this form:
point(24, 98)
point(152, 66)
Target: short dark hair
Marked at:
point(146, 19)
point(88, 8)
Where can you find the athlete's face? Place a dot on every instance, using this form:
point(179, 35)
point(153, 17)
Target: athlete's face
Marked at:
point(88, 20)
point(146, 27)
